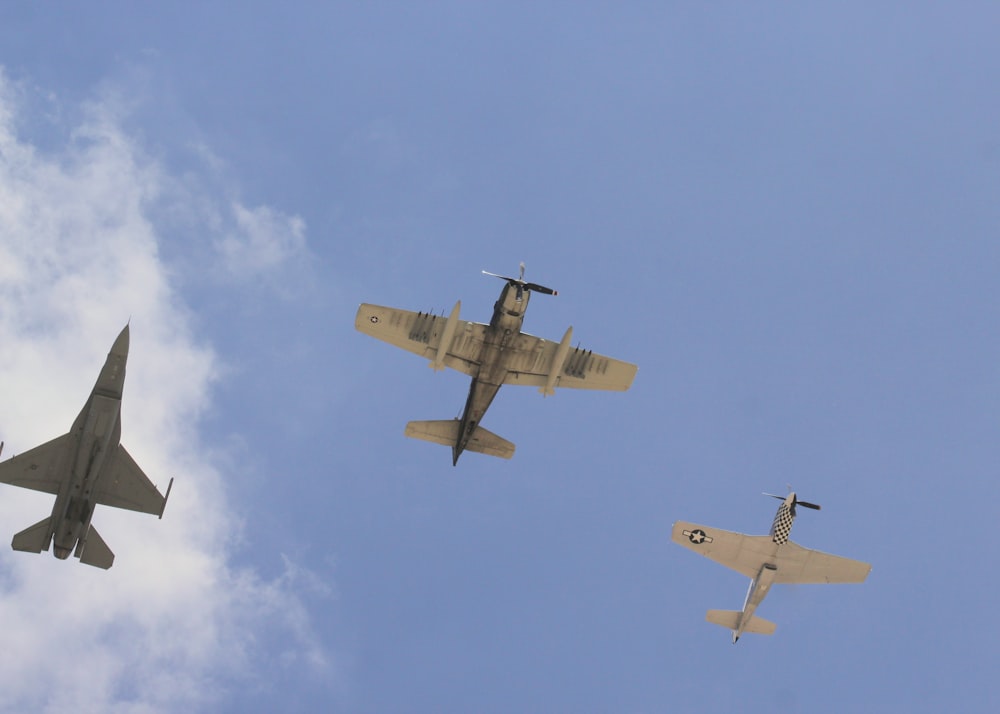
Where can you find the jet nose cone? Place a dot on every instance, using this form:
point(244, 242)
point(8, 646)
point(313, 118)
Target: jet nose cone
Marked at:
point(120, 347)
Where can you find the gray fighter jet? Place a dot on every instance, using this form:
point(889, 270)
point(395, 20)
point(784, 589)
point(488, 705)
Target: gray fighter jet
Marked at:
point(83, 469)
point(493, 355)
point(767, 560)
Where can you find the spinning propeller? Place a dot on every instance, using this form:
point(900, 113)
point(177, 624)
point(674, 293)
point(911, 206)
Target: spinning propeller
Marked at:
point(521, 286)
point(795, 502)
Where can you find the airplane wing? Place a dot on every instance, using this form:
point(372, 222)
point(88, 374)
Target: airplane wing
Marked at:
point(124, 485)
point(34, 468)
point(580, 369)
point(802, 565)
point(421, 333)
point(745, 554)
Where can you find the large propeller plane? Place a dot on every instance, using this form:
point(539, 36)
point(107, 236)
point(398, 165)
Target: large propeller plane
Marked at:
point(766, 560)
point(493, 355)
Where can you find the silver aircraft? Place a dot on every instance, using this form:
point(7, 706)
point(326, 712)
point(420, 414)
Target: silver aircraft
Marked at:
point(83, 469)
point(767, 560)
point(493, 355)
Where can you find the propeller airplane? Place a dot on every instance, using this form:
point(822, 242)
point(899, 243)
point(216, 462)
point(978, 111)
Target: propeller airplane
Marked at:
point(493, 355)
point(766, 560)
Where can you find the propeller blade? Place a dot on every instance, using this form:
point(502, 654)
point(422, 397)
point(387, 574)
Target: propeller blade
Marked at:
point(536, 288)
point(521, 285)
point(780, 498)
point(813, 506)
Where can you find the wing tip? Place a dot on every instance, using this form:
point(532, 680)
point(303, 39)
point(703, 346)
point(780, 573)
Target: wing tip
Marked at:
point(165, 497)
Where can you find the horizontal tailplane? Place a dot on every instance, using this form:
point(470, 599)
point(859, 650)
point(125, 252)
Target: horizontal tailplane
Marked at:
point(34, 539)
point(731, 619)
point(94, 551)
point(446, 431)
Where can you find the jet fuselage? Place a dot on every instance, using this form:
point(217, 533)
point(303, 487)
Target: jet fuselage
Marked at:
point(96, 433)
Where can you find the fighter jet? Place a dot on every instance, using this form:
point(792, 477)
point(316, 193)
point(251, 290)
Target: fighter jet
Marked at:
point(767, 560)
point(493, 355)
point(85, 468)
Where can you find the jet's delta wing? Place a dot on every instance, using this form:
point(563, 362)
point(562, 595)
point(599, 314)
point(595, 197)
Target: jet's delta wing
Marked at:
point(126, 486)
point(746, 554)
point(37, 468)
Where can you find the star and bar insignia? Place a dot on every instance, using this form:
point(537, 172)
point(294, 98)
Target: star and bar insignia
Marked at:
point(698, 536)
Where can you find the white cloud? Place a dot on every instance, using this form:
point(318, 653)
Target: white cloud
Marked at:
point(262, 240)
point(172, 625)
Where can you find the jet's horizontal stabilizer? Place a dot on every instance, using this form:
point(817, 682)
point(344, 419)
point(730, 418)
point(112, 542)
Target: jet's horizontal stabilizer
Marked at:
point(446, 431)
point(94, 551)
point(34, 539)
point(731, 620)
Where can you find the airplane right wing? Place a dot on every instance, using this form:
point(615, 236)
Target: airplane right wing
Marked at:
point(580, 369)
point(421, 333)
point(744, 554)
point(124, 485)
point(802, 565)
point(35, 468)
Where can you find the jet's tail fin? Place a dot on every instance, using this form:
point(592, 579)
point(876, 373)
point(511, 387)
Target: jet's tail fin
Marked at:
point(34, 539)
point(94, 551)
point(731, 620)
point(446, 431)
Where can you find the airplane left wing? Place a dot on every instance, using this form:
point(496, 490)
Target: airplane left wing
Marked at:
point(35, 468)
point(422, 334)
point(535, 361)
point(124, 485)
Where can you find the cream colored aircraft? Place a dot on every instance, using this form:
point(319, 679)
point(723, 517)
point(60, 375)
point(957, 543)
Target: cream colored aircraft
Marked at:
point(767, 560)
point(493, 355)
point(83, 469)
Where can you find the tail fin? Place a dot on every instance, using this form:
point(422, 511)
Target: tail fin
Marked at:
point(445, 432)
point(94, 551)
point(731, 620)
point(34, 539)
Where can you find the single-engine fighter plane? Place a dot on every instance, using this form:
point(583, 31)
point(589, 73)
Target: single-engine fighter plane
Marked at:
point(493, 355)
point(767, 560)
point(85, 468)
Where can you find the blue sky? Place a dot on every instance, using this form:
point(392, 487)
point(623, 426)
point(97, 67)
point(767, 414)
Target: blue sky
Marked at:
point(786, 216)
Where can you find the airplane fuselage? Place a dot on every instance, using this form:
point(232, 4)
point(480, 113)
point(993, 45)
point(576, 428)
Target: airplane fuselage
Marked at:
point(760, 586)
point(96, 433)
point(503, 330)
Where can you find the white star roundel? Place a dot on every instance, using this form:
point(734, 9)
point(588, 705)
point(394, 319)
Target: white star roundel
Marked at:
point(698, 536)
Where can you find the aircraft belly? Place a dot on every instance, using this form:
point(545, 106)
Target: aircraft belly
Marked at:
point(101, 433)
point(481, 395)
